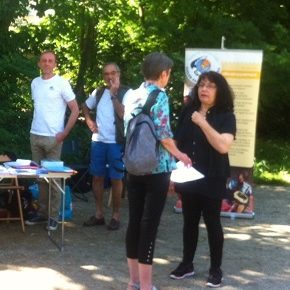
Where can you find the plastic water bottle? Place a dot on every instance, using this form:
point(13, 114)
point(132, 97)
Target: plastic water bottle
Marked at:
point(68, 208)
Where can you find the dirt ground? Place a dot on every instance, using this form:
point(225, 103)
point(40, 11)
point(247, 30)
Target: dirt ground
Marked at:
point(256, 252)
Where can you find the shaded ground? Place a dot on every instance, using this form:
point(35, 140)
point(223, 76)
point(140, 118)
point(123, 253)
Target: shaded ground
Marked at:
point(256, 253)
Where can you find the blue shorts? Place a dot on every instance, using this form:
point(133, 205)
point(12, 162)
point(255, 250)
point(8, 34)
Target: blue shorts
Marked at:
point(107, 157)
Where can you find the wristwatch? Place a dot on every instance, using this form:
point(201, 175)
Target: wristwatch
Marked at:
point(113, 98)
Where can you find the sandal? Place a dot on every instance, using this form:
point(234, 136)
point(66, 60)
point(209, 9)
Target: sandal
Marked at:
point(133, 286)
point(93, 221)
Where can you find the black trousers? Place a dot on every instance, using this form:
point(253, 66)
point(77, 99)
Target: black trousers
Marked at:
point(147, 196)
point(193, 207)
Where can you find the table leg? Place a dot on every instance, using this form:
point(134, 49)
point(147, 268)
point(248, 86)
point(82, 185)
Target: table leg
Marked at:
point(19, 205)
point(62, 192)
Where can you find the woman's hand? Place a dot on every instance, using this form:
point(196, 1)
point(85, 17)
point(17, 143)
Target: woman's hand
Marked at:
point(220, 142)
point(185, 159)
point(197, 118)
point(170, 146)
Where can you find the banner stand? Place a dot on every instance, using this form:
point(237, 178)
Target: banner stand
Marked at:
point(234, 215)
point(242, 69)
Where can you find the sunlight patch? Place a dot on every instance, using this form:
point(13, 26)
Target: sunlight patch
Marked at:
point(102, 278)
point(239, 237)
point(269, 234)
point(283, 240)
point(281, 228)
point(16, 277)
point(161, 261)
point(90, 267)
point(246, 276)
point(240, 279)
point(276, 230)
point(252, 273)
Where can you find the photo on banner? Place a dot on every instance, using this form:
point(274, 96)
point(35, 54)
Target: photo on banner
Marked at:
point(242, 69)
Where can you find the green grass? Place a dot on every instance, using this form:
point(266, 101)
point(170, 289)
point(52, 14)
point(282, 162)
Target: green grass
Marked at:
point(272, 164)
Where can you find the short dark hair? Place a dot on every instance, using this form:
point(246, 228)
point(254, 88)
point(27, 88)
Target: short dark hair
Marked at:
point(112, 63)
point(154, 64)
point(224, 96)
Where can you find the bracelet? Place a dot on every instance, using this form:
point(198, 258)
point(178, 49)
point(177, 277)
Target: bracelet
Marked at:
point(113, 98)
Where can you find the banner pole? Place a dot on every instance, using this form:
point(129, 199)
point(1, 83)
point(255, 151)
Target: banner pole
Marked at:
point(223, 42)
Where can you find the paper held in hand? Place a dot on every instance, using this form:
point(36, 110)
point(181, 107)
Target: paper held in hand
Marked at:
point(184, 174)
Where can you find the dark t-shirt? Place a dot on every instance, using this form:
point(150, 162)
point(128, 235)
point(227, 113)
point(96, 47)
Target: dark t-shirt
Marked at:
point(191, 140)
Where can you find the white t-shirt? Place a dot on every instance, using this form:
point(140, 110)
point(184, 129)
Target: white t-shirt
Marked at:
point(104, 117)
point(50, 99)
point(133, 102)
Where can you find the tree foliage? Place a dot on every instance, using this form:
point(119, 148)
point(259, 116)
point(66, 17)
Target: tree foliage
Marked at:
point(85, 34)
point(16, 70)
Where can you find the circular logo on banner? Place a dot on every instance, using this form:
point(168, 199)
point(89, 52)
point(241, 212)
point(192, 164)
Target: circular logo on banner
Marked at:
point(199, 64)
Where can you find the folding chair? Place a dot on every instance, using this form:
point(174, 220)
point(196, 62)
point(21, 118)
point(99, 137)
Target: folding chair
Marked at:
point(81, 182)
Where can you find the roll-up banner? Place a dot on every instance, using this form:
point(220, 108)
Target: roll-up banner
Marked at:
point(242, 69)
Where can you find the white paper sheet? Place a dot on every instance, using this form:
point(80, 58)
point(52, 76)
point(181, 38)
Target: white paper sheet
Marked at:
point(18, 163)
point(23, 162)
point(184, 174)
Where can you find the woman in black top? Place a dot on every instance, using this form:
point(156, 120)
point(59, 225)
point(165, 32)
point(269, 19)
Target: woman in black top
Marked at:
point(205, 132)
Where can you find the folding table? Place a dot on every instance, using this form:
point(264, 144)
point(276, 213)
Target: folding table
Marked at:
point(50, 178)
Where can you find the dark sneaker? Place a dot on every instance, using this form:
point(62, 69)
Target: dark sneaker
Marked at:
point(134, 286)
point(36, 219)
point(113, 225)
point(215, 279)
point(52, 225)
point(182, 271)
point(93, 221)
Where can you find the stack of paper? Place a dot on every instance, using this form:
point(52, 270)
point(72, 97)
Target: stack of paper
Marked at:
point(184, 174)
point(21, 164)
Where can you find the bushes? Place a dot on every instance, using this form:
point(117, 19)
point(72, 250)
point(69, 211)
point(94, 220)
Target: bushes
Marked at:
point(272, 163)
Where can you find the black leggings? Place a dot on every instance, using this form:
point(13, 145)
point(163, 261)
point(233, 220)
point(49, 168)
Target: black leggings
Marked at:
point(147, 196)
point(193, 206)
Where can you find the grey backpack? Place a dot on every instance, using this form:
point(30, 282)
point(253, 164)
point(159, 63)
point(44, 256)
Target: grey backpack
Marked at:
point(142, 146)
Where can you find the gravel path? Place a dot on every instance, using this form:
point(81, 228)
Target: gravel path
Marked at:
point(256, 252)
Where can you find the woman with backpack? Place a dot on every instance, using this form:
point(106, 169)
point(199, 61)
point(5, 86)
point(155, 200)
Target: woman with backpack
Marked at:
point(147, 193)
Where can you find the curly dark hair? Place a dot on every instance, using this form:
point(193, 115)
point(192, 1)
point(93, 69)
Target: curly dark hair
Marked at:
point(224, 95)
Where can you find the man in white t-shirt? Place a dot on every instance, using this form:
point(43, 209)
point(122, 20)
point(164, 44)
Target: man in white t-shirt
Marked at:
point(51, 95)
point(107, 143)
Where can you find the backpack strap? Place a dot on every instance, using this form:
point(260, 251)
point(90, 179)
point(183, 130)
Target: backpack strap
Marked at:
point(99, 94)
point(120, 93)
point(118, 122)
point(151, 100)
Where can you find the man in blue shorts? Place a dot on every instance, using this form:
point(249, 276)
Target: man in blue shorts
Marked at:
point(107, 143)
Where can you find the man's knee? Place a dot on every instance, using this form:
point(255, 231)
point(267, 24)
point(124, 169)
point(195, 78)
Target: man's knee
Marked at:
point(117, 185)
point(98, 182)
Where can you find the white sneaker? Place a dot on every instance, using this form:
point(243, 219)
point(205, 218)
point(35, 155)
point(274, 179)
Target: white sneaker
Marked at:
point(52, 225)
